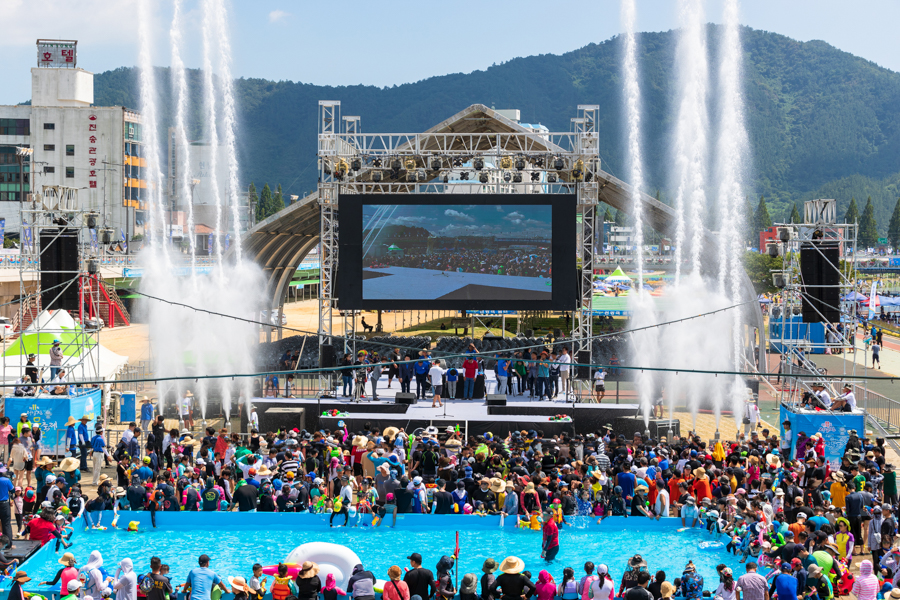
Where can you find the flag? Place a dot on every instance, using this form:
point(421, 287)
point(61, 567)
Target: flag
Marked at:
point(209, 243)
point(2, 231)
point(94, 240)
point(873, 301)
point(227, 240)
point(27, 231)
point(124, 241)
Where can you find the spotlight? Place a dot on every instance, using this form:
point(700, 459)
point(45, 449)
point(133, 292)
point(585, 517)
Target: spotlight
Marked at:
point(507, 176)
point(551, 177)
point(376, 176)
point(588, 176)
point(420, 175)
point(436, 163)
point(355, 164)
point(559, 164)
point(506, 162)
point(578, 171)
point(92, 220)
point(464, 175)
point(535, 175)
point(772, 249)
point(410, 164)
point(517, 178)
point(396, 165)
point(778, 279)
point(539, 162)
point(376, 162)
point(520, 163)
point(457, 162)
point(446, 178)
point(478, 164)
point(483, 177)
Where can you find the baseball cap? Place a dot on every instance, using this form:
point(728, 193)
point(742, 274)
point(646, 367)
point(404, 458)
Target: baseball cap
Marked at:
point(203, 558)
point(602, 569)
point(415, 556)
point(796, 562)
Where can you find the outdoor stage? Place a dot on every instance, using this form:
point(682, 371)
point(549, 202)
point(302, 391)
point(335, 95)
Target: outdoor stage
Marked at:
point(473, 416)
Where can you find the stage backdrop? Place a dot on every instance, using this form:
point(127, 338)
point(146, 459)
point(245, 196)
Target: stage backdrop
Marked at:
point(52, 412)
point(834, 427)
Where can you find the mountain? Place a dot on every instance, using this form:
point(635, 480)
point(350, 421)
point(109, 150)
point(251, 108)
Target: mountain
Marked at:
point(822, 122)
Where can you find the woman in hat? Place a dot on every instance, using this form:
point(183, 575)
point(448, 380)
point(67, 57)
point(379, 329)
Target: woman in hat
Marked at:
point(308, 583)
point(487, 580)
point(511, 584)
point(240, 588)
point(469, 587)
point(396, 588)
point(67, 573)
point(844, 539)
point(16, 592)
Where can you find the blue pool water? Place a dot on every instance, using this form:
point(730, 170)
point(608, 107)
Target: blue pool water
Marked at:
point(235, 541)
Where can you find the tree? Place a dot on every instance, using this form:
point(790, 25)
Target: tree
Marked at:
point(277, 200)
point(795, 215)
point(852, 215)
point(868, 228)
point(253, 199)
point(894, 227)
point(749, 224)
point(265, 203)
point(607, 217)
point(620, 218)
point(759, 269)
point(761, 219)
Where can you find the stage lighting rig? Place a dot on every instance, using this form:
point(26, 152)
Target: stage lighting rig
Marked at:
point(520, 163)
point(420, 175)
point(559, 164)
point(436, 163)
point(464, 176)
point(410, 164)
point(535, 176)
point(506, 162)
point(457, 162)
point(551, 177)
point(376, 176)
point(376, 162)
point(355, 164)
point(517, 178)
point(446, 178)
point(507, 176)
point(539, 162)
point(578, 171)
point(483, 177)
point(396, 165)
point(478, 164)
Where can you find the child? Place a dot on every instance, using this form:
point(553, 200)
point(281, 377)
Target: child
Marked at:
point(18, 503)
point(331, 591)
point(258, 583)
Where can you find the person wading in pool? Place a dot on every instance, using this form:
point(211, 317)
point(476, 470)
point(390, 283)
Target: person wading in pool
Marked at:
point(550, 545)
point(346, 497)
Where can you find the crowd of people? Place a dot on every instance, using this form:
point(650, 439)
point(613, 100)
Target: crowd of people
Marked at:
point(525, 263)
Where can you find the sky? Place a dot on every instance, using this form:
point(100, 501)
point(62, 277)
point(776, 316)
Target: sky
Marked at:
point(401, 41)
point(452, 220)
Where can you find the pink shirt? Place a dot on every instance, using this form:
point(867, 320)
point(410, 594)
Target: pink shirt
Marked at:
point(4, 434)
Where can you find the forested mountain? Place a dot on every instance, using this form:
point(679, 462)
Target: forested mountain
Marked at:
point(822, 122)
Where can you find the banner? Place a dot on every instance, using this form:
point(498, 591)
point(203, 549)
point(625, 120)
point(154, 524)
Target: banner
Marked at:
point(94, 240)
point(124, 241)
point(27, 237)
point(52, 412)
point(209, 243)
point(834, 427)
point(2, 231)
point(873, 301)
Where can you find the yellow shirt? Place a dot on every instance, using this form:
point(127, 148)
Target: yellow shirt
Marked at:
point(838, 493)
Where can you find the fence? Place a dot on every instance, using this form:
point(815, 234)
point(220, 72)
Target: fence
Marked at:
point(882, 409)
point(127, 379)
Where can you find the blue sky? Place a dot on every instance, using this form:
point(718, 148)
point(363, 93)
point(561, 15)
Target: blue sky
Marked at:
point(459, 219)
point(400, 41)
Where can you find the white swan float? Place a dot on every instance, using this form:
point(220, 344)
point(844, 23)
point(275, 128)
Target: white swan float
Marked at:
point(332, 559)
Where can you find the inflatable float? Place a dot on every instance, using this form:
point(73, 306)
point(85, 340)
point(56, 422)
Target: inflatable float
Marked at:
point(333, 559)
point(710, 545)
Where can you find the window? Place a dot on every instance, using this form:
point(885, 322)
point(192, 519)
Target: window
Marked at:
point(15, 127)
point(49, 169)
point(49, 125)
point(70, 150)
point(49, 147)
point(70, 172)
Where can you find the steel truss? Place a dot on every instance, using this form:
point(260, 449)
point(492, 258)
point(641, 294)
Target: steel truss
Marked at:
point(350, 161)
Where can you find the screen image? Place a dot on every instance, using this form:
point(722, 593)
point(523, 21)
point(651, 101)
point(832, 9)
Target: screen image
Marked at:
point(456, 251)
point(452, 252)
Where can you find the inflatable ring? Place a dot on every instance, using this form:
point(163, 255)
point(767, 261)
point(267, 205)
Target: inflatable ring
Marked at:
point(333, 559)
point(710, 545)
point(379, 585)
point(293, 569)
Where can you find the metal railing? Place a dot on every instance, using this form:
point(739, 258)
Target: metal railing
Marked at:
point(128, 378)
point(877, 407)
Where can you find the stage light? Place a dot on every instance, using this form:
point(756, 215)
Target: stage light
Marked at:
point(578, 171)
point(464, 175)
point(535, 175)
point(520, 163)
point(355, 164)
point(478, 164)
point(517, 178)
point(376, 162)
point(446, 178)
point(507, 176)
point(92, 220)
point(396, 165)
point(340, 169)
point(410, 164)
point(506, 162)
point(420, 175)
point(559, 164)
point(551, 177)
point(539, 162)
point(778, 279)
point(457, 162)
point(588, 176)
point(772, 249)
point(483, 177)
point(436, 163)
point(376, 176)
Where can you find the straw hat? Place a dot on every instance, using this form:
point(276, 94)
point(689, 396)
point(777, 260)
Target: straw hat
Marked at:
point(529, 487)
point(104, 477)
point(71, 421)
point(188, 394)
point(838, 476)
point(45, 460)
point(69, 464)
point(699, 472)
point(512, 565)
point(309, 570)
point(497, 485)
point(390, 432)
point(67, 559)
point(189, 440)
point(833, 547)
point(264, 472)
point(773, 460)
point(666, 589)
point(360, 441)
point(239, 584)
point(21, 577)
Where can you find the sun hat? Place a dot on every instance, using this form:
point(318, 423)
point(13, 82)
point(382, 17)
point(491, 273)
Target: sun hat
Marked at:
point(69, 465)
point(71, 421)
point(67, 559)
point(814, 570)
point(489, 566)
point(666, 589)
point(497, 485)
point(469, 584)
point(308, 570)
point(21, 577)
point(512, 565)
point(529, 487)
point(895, 593)
point(239, 584)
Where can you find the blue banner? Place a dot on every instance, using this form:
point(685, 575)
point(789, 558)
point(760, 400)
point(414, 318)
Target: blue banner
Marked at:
point(52, 412)
point(2, 231)
point(227, 240)
point(209, 243)
point(834, 427)
point(27, 231)
point(94, 240)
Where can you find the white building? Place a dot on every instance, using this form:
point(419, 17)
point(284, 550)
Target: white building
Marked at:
point(96, 150)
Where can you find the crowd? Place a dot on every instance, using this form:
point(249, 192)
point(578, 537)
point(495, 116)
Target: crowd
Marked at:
point(525, 263)
point(780, 507)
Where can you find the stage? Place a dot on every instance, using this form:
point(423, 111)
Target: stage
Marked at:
point(473, 416)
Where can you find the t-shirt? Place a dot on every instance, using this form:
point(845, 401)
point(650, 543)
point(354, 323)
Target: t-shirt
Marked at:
point(420, 582)
point(470, 368)
point(564, 361)
point(638, 593)
point(161, 587)
point(436, 374)
point(211, 499)
point(600, 378)
point(786, 587)
point(202, 580)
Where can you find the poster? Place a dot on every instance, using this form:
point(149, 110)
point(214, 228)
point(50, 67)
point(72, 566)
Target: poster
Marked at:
point(834, 427)
point(52, 412)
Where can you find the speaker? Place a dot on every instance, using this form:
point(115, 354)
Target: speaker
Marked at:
point(327, 356)
point(496, 399)
point(59, 269)
point(402, 398)
point(819, 263)
point(582, 371)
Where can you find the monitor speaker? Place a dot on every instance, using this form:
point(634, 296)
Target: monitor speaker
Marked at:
point(327, 356)
point(496, 399)
point(819, 264)
point(59, 269)
point(583, 370)
point(402, 398)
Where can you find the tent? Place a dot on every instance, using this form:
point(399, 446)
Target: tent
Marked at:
point(84, 358)
point(618, 276)
point(855, 296)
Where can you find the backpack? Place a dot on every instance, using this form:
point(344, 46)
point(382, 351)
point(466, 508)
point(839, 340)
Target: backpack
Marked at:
point(146, 584)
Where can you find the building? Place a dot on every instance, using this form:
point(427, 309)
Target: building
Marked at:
point(96, 150)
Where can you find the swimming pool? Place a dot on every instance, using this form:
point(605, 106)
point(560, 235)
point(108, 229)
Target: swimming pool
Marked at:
point(235, 541)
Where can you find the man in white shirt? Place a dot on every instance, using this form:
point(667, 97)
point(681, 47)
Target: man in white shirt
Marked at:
point(824, 396)
point(786, 438)
point(436, 373)
point(661, 508)
point(58, 384)
point(846, 402)
point(564, 361)
point(751, 417)
point(186, 409)
point(600, 384)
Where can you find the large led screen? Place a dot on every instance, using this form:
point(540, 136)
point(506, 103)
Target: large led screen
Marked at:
point(457, 251)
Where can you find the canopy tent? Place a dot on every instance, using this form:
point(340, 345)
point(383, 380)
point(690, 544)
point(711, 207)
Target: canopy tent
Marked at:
point(617, 276)
point(855, 296)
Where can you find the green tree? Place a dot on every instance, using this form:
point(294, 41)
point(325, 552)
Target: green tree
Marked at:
point(253, 198)
point(620, 218)
point(277, 200)
point(894, 227)
point(749, 224)
point(607, 216)
point(265, 204)
point(852, 215)
point(795, 215)
point(761, 220)
point(868, 228)
point(759, 269)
